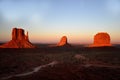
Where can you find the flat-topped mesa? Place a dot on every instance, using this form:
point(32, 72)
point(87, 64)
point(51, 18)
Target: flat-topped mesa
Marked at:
point(101, 39)
point(19, 40)
point(63, 41)
point(18, 34)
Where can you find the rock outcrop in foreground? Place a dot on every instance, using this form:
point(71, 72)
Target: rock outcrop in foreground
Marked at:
point(19, 40)
point(101, 39)
point(63, 42)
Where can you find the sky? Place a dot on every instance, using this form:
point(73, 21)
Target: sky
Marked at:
point(48, 20)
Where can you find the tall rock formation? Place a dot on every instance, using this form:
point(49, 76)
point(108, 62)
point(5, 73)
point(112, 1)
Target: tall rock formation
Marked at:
point(19, 40)
point(101, 39)
point(63, 42)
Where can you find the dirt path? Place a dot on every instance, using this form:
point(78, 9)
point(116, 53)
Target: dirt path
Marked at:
point(36, 69)
point(100, 65)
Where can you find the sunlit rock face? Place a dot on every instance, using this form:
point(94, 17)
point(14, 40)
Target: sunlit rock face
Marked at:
point(63, 42)
point(18, 34)
point(101, 39)
point(19, 40)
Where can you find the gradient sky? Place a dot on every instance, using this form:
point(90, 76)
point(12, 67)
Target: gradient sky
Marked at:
point(48, 20)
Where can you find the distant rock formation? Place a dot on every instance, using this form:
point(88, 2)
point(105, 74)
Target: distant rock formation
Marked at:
point(101, 39)
point(19, 40)
point(18, 34)
point(63, 42)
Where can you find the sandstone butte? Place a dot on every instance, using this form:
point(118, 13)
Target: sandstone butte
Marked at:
point(63, 42)
point(19, 40)
point(101, 39)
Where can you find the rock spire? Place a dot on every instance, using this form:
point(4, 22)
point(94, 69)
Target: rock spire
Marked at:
point(63, 41)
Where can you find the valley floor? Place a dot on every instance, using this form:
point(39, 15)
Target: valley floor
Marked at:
point(71, 63)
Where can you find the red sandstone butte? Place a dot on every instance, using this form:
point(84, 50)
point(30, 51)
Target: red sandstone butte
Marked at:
point(101, 39)
point(63, 42)
point(19, 40)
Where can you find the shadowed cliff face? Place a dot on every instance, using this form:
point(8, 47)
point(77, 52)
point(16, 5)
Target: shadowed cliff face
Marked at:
point(101, 39)
point(19, 40)
point(63, 41)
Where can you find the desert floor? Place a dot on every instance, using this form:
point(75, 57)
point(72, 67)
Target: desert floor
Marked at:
point(60, 63)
